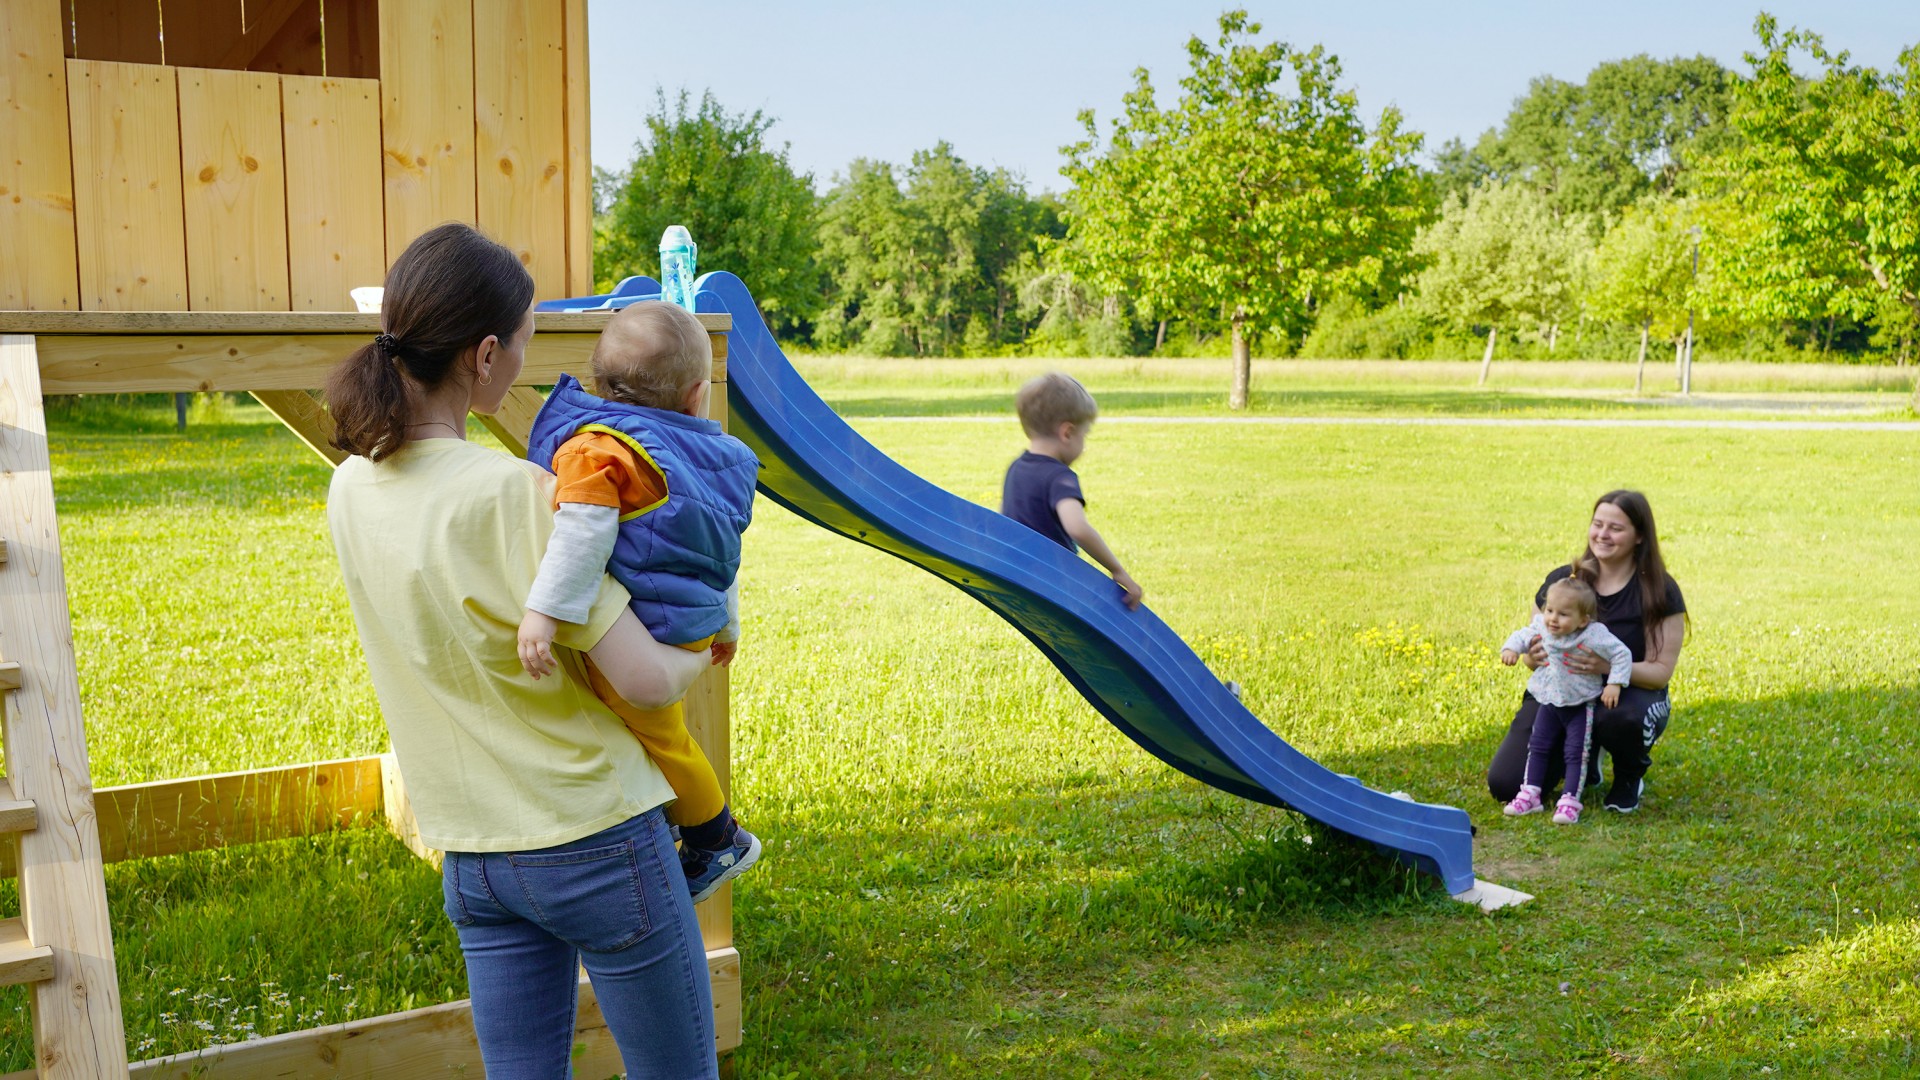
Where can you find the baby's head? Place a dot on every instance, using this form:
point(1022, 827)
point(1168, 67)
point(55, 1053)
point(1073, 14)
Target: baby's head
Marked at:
point(656, 355)
point(1569, 608)
point(1056, 407)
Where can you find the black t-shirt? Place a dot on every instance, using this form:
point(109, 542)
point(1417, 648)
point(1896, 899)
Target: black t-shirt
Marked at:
point(1620, 612)
point(1035, 485)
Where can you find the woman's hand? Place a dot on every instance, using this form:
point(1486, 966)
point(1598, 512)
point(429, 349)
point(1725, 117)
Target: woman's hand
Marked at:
point(1536, 654)
point(1584, 661)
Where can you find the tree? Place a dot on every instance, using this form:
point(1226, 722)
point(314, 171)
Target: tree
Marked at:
point(1827, 178)
point(1643, 273)
point(715, 173)
point(1242, 198)
point(1500, 258)
point(1636, 126)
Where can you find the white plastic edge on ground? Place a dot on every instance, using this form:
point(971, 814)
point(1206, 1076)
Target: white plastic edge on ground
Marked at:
point(1491, 897)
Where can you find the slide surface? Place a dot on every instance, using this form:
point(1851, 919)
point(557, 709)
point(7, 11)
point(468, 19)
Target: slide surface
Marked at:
point(1131, 666)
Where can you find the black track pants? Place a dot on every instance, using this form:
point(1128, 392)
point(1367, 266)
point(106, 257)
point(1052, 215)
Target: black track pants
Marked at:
point(1626, 732)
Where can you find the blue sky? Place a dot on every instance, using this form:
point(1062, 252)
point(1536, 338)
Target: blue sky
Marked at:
point(1002, 81)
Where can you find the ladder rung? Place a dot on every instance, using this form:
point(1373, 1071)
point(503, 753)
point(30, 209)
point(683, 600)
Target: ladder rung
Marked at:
point(18, 815)
point(10, 675)
point(21, 961)
point(3, 549)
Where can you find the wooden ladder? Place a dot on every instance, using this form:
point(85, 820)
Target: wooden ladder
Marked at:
point(61, 943)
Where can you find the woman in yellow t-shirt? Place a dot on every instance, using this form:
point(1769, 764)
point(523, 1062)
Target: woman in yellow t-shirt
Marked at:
point(550, 813)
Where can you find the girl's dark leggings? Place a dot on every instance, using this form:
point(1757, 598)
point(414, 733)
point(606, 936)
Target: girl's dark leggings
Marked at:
point(1626, 732)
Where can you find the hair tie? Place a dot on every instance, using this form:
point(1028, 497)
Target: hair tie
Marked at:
point(387, 344)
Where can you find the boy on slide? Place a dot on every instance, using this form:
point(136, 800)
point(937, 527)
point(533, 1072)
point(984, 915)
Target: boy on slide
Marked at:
point(1041, 491)
point(656, 495)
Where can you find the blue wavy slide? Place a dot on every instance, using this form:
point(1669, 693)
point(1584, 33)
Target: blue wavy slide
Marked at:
point(1129, 665)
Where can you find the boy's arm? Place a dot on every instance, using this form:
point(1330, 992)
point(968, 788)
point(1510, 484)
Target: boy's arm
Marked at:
point(568, 581)
point(1073, 518)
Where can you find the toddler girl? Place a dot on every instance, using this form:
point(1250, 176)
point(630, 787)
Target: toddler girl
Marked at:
point(1564, 624)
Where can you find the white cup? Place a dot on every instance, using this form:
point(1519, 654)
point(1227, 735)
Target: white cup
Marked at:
point(367, 298)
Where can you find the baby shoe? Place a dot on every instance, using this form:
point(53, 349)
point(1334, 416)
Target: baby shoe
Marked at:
point(1527, 802)
point(1567, 811)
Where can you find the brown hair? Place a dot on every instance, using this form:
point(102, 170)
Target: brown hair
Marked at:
point(649, 354)
point(450, 290)
point(1050, 400)
point(1649, 569)
point(1585, 601)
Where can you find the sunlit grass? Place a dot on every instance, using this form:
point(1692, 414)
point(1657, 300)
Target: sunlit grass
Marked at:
point(970, 874)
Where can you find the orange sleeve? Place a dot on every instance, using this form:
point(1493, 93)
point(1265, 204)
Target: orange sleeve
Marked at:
point(598, 469)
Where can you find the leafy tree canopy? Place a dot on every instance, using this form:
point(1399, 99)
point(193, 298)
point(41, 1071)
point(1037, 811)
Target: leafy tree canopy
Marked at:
point(715, 173)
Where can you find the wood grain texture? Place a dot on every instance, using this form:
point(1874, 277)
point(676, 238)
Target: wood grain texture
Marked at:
point(426, 116)
point(126, 186)
point(579, 162)
point(39, 262)
point(336, 235)
point(144, 364)
point(306, 418)
point(63, 902)
point(272, 322)
point(519, 84)
point(233, 180)
point(21, 961)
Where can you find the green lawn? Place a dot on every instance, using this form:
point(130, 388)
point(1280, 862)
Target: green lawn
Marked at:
point(971, 874)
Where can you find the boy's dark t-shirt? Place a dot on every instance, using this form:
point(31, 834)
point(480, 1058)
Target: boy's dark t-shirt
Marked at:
point(1035, 485)
point(1621, 611)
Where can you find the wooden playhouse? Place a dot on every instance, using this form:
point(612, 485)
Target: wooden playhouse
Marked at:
point(188, 190)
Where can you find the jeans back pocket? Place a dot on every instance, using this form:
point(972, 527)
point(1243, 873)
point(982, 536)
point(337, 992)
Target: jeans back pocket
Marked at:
point(591, 898)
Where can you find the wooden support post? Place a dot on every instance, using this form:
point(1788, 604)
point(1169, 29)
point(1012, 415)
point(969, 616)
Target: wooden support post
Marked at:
point(63, 896)
point(304, 417)
point(512, 422)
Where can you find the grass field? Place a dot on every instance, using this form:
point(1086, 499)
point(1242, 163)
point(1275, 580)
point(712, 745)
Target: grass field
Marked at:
point(970, 874)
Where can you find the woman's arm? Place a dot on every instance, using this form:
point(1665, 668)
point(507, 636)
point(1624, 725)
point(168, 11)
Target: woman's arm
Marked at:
point(646, 673)
point(1656, 671)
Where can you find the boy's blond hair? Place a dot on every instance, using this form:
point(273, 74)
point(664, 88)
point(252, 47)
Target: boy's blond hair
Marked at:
point(1586, 602)
point(649, 354)
point(1050, 400)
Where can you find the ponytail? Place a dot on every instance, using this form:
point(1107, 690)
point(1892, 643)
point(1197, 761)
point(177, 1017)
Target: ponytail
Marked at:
point(450, 290)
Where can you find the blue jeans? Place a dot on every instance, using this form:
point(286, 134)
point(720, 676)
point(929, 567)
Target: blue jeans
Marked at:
point(615, 902)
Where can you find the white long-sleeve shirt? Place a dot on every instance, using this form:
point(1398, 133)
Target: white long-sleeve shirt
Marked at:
point(1552, 683)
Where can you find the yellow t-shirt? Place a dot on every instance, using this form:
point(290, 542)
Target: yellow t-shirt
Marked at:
point(439, 545)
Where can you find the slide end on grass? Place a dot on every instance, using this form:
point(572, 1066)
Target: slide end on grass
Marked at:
point(1490, 897)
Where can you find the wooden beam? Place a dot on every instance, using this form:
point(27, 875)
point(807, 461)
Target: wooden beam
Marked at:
point(168, 817)
point(39, 265)
point(77, 1028)
point(18, 815)
point(144, 364)
point(305, 417)
point(232, 323)
point(265, 25)
point(421, 1044)
point(21, 961)
point(9, 675)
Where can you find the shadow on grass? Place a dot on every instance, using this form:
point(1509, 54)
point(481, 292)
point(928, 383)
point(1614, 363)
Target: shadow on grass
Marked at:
point(234, 466)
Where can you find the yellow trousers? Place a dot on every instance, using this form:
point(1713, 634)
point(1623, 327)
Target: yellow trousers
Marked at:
point(664, 733)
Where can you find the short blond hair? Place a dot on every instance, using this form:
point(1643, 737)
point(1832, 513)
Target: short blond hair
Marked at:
point(1050, 400)
point(1586, 602)
point(649, 354)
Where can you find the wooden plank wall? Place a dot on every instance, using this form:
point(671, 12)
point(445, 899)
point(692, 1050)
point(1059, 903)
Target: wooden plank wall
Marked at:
point(336, 238)
point(579, 163)
point(234, 179)
point(519, 73)
point(126, 186)
point(39, 269)
point(426, 110)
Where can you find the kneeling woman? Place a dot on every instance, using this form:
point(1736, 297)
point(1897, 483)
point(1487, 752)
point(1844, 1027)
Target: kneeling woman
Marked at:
point(1643, 607)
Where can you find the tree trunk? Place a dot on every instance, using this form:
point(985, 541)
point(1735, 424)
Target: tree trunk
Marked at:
point(1829, 342)
point(1486, 361)
point(1640, 372)
point(1242, 362)
point(1686, 373)
point(1160, 336)
point(1679, 360)
point(1553, 335)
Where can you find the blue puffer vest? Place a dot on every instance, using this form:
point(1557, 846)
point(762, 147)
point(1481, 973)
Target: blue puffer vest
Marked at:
point(678, 557)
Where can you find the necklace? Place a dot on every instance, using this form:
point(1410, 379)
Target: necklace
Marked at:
point(457, 433)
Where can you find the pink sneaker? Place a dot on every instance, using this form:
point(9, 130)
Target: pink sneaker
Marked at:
point(1567, 811)
point(1527, 802)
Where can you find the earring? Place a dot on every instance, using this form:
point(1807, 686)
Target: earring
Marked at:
point(487, 379)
